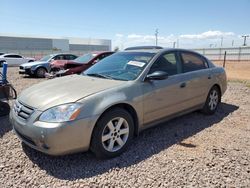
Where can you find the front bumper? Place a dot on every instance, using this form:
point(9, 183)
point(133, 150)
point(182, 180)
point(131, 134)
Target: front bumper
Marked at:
point(54, 138)
point(25, 71)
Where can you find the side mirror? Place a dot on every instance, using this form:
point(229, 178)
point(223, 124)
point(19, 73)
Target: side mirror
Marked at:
point(157, 75)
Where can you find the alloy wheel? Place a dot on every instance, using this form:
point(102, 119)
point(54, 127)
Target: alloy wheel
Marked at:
point(115, 134)
point(41, 72)
point(213, 99)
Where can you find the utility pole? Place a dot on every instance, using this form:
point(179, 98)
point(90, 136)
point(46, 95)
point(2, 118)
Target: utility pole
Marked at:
point(221, 42)
point(156, 37)
point(245, 39)
point(174, 44)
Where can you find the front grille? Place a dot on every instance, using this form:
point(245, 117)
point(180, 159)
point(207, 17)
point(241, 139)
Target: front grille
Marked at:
point(21, 67)
point(22, 111)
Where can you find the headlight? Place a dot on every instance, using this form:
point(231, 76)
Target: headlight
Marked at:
point(62, 113)
point(27, 67)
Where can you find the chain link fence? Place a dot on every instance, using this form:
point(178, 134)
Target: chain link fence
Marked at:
point(233, 54)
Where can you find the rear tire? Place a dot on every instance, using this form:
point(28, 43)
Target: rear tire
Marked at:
point(112, 134)
point(212, 102)
point(40, 72)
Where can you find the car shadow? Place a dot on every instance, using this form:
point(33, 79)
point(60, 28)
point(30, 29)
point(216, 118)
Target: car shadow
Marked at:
point(147, 144)
point(31, 77)
point(5, 125)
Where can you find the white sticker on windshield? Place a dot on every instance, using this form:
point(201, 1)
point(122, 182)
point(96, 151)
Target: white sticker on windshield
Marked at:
point(136, 63)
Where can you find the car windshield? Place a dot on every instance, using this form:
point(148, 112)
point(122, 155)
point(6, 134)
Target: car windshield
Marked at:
point(121, 65)
point(85, 58)
point(46, 58)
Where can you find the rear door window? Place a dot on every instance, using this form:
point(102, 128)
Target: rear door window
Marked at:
point(192, 62)
point(72, 57)
point(69, 57)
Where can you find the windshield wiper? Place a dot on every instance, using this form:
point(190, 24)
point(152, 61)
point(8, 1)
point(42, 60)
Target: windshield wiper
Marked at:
point(100, 75)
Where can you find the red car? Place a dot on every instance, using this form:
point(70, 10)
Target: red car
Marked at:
point(79, 64)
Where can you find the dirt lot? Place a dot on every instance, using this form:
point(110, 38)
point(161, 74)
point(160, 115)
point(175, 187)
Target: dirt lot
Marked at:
point(191, 151)
point(236, 70)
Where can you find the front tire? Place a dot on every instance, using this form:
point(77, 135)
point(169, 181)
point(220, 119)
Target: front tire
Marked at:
point(112, 133)
point(212, 102)
point(40, 72)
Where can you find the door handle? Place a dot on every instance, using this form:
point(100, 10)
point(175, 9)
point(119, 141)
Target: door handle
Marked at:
point(183, 85)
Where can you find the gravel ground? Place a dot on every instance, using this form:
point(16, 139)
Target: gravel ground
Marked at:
point(191, 151)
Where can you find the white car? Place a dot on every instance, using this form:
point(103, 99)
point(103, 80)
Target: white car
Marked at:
point(15, 59)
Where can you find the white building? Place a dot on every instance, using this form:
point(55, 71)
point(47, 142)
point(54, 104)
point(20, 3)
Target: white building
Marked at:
point(43, 45)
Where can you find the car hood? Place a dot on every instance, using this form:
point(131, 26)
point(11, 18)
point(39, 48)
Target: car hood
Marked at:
point(64, 90)
point(34, 63)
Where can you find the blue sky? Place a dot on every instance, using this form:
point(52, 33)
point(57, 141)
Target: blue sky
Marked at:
point(196, 23)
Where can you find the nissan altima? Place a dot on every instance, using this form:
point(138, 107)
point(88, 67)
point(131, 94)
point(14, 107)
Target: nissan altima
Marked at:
point(103, 108)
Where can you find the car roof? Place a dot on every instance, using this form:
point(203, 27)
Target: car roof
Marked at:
point(100, 52)
point(143, 50)
point(62, 54)
point(161, 50)
point(97, 53)
point(143, 47)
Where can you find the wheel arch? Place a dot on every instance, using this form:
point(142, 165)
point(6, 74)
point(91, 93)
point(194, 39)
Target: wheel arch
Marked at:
point(219, 88)
point(130, 109)
point(40, 66)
